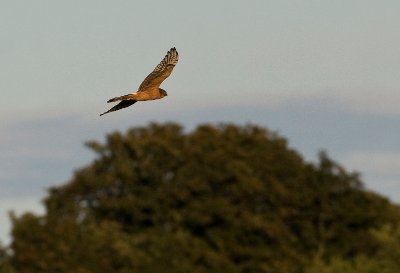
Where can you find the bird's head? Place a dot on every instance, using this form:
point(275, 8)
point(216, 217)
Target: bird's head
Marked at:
point(163, 92)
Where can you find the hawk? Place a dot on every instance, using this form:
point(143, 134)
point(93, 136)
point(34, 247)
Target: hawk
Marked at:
point(150, 87)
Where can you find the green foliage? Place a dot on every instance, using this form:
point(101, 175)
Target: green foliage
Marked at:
point(385, 260)
point(218, 199)
point(5, 266)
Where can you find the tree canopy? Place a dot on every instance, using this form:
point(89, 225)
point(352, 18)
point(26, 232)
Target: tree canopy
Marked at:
point(221, 198)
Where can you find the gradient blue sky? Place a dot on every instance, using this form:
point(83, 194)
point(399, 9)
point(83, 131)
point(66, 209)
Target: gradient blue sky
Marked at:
point(324, 74)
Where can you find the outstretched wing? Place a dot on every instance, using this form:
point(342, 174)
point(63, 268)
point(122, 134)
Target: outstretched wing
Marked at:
point(161, 72)
point(122, 104)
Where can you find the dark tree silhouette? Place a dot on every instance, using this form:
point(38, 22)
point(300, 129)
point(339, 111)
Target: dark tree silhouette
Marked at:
point(218, 199)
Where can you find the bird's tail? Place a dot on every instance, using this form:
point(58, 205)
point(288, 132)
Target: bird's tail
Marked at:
point(125, 97)
point(122, 104)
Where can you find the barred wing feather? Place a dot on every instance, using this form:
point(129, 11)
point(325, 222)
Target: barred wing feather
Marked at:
point(161, 71)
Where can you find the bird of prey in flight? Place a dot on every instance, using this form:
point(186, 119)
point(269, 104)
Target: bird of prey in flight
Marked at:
point(150, 87)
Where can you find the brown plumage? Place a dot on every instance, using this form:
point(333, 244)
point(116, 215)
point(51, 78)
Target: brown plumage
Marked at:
point(150, 87)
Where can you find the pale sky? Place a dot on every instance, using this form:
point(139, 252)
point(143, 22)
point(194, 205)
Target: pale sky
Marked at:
point(324, 74)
